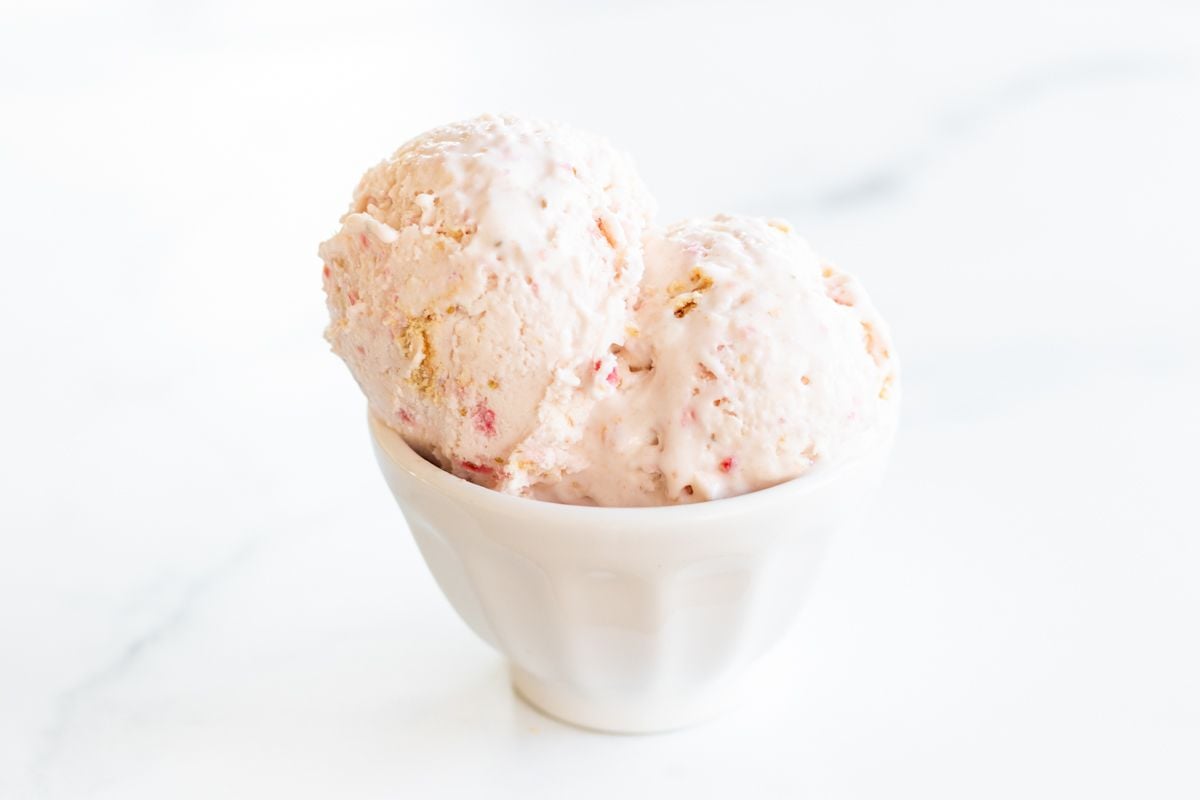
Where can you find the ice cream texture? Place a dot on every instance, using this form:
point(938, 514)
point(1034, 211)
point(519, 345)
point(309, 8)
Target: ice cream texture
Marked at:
point(479, 274)
point(753, 361)
point(500, 291)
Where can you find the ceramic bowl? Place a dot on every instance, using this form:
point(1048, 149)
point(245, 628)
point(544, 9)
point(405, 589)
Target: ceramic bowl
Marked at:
point(625, 619)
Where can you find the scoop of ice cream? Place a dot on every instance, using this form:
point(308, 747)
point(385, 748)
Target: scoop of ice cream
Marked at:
point(753, 361)
point(479, 274)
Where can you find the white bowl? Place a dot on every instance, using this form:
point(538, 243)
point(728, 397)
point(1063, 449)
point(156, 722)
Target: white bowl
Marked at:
point(624, 619)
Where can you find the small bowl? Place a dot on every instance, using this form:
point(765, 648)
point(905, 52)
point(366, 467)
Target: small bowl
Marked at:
point(630, 620)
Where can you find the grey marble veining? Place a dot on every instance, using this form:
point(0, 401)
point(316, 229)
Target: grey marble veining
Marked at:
point(172, 616)
point(963, 118)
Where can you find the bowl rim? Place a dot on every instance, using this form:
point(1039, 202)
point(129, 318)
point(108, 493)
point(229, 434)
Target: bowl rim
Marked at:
point(391, 444)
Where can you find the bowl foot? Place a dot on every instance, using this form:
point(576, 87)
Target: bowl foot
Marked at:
point(601, 713)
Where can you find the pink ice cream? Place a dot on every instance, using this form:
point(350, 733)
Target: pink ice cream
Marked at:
point(500, 294)
point(753, 361)
point(479, 274)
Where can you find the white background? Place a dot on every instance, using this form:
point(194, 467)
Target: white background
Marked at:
point(206, 591)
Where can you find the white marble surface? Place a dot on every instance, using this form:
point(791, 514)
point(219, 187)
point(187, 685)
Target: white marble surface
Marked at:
point(206, 592)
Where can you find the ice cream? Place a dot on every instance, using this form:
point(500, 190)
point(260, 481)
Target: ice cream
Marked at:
point(753, 360)
point(501, 294)
point(478, 276)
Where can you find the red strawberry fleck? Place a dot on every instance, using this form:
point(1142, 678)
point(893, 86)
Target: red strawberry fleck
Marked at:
point(485, 419)
point(479, 469)
point(325, 270)
point(404, 415)
point(613, 378)
point(362, 241)
point(596, 366)
point(352, 296)
point(728, 464)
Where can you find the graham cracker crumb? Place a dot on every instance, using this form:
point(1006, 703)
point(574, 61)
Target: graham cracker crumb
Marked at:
point(418, 345)
point(685, 303)
point(698, 281)
point(606, 233)
point(701, 280)
point(874, 346)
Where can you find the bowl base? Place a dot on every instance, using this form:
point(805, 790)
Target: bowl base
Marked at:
point(607, 715)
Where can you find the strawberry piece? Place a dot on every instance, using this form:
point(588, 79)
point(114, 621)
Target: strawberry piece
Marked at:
point(485, 419)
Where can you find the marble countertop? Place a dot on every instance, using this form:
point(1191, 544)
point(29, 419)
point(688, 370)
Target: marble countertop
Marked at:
point(206, 590)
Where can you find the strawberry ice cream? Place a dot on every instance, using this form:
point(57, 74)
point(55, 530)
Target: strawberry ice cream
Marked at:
point(499, 292)
point(752, 361)
point(478, 276)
